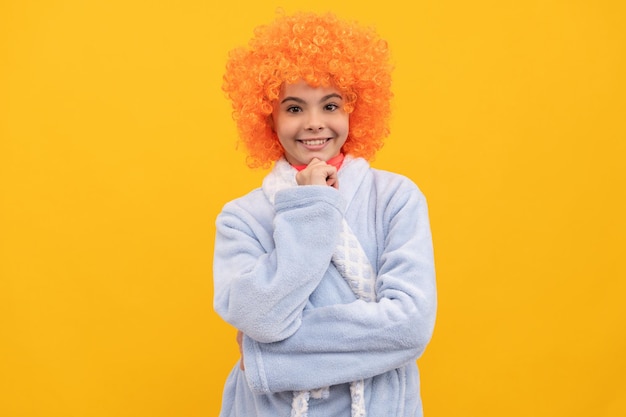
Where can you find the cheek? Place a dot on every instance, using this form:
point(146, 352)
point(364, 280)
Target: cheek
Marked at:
point(346, 124)
point(285, 126)
point(282, 130)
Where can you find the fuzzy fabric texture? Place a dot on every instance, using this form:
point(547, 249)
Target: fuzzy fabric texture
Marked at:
point(304, 326)
point(353, 265)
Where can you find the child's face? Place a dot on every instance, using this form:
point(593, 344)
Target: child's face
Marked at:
point(310, 122)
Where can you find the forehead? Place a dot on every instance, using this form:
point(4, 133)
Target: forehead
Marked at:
point(302, 89)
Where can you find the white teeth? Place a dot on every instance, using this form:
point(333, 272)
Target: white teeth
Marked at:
point(314, 142)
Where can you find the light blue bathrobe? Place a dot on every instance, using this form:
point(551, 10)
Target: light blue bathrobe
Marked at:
point(304, 328)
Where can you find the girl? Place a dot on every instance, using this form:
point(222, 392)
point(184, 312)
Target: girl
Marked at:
point(327, 269)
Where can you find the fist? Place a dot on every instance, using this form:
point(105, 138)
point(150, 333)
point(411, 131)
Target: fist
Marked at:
point(318, 172)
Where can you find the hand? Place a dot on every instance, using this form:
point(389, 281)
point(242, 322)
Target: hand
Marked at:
point(318, 172)
point(240, 343)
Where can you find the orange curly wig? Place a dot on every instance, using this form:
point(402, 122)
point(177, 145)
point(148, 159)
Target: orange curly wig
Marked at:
point(322, 50)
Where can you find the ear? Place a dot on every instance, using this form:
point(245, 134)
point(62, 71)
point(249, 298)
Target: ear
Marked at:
point(270, 122)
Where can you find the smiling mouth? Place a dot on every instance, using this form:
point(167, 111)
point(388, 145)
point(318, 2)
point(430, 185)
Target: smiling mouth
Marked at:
point(313, 142)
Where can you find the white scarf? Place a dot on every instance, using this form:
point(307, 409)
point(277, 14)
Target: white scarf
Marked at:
point(351, 261)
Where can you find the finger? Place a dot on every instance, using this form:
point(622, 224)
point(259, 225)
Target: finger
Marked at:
point(332, 180)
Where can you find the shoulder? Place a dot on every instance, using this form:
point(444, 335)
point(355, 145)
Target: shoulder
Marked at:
point(250, 208)
point(248, 200)
point(382, 179)
point(395, 186)
point(390, 189)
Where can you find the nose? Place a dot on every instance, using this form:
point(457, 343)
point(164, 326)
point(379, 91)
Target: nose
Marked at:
point(315, 121)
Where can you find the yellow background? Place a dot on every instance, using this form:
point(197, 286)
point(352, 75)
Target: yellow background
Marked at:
point(117, 151)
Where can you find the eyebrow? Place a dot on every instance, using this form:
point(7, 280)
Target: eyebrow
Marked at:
point(323, 99)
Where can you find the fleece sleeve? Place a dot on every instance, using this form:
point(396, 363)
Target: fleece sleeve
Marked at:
point(262, 283)
point(346, 342)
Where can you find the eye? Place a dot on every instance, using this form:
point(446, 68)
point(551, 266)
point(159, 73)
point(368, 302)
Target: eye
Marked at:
point(294, 109)
point(331, 107)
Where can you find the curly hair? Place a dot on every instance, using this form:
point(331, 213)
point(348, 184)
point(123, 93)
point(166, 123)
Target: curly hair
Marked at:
point(322, 50)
